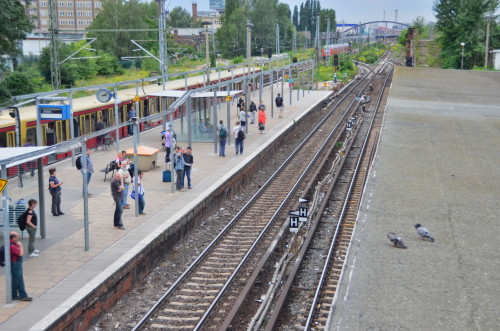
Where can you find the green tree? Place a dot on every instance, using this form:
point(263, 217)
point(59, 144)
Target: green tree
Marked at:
point(419, 24)
point(14, 25)
point(295, 17)
point(324, 15)
point(117, 15)
point(231, 37)
point(179, 18)
point(18, 83)
point(263, 17)
point(462, 21)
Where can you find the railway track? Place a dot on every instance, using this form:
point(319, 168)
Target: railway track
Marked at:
point(194, 295)
point(334, 230)
point(325, 222)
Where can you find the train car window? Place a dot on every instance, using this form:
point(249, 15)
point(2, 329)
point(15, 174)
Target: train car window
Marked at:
point(64, 131)
point(145, 104)
point(87, 126)
point(76, 126)
point(50, 134)
point(31, 135)
point(3, 139)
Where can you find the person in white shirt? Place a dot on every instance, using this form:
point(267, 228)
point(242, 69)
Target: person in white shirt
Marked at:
point(239, 137)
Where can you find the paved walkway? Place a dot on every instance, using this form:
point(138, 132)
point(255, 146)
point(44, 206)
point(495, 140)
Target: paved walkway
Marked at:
point(64, 271)
point(438, 165)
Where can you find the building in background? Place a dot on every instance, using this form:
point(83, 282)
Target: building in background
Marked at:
point(73, 17)
point(218, 5)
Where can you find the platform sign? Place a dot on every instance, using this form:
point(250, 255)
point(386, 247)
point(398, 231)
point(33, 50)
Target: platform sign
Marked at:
point(349, 125)
point(303, 214)
point(228, 98)
point(294, 223)
point(54, 112)
point(3, 184)
point(137, 99)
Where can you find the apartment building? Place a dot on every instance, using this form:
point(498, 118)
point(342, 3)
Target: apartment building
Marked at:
point(71, 14)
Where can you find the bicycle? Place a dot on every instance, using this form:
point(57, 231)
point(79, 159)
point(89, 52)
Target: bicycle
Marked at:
point(109, 141)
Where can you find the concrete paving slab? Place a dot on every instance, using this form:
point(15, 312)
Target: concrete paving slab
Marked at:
point(437, 165)
point(64, 272)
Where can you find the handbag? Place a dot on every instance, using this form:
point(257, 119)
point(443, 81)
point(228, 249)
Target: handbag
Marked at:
point(132, 194)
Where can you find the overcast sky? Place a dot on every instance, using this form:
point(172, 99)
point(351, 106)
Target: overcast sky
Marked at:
point(353, 11)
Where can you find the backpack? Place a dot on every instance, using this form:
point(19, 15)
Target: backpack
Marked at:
point(241, 135)
point(222, 132)
point(22, 221)
point(78, 163)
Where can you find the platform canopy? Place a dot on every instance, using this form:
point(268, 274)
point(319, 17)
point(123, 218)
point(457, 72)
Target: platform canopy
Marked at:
point(9, 153)
point(178, 94)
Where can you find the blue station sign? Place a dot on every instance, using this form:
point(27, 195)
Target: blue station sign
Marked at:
point(54, 112)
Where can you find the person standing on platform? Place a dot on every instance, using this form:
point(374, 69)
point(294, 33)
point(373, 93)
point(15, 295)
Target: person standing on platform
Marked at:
point(188, 164)
point(89, 171)
point(55, 192)
point(31, 225)
point(222, 138)
point(101, 125)
point(262, 120)
point(253, 111)
point(140, 187)
point(117, 194)
point(241, 102)
point(179, 167)
point(126, 180)
point(168, 144)
point(243, 117)
point(279, 104)
point(16, 268)
point(131, 115)
point(238, 141)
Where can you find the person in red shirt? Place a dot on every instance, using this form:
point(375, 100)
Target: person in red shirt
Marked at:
point(16, 268)
point(262, 120)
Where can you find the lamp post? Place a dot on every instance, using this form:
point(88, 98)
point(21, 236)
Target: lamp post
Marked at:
point(462, 62)
point(488, 22)
point(249, 39)
point(207, 51)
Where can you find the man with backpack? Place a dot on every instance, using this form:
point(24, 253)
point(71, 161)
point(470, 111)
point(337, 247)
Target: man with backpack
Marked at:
point(222, 138)
point(239, 136)
point(31, 226)
point(279, 104)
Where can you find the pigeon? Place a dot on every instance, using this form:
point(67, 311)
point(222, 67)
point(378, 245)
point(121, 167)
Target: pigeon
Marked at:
point(397, 241)
point(423, 232)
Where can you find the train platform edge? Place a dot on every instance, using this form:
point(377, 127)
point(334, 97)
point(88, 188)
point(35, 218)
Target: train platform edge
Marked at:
point(436, 164)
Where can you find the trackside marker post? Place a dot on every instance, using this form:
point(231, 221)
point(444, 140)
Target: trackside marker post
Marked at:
point(294, 223)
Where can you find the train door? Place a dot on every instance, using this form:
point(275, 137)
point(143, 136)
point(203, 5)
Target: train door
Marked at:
point(61, 131)
point(111, 117)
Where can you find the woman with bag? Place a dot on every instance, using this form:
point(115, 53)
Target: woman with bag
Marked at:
point(262, 120)
point(140, 189)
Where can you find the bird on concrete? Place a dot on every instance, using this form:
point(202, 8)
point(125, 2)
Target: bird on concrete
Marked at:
point(423, 232)
point(397, 241)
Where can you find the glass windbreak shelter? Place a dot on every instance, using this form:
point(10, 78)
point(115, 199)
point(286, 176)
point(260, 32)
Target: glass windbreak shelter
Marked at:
point(203, 119)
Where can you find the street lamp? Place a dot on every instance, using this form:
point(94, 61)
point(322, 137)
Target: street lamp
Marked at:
point(207, 50)
point(249, 35)
point(462, 62)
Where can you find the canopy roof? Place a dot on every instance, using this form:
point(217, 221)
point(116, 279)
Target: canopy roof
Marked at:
point(9, 153)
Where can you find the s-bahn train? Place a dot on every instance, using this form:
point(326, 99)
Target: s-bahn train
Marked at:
point(87, 111)
point(329, 50)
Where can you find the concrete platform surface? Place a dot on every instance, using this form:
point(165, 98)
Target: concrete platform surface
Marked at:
point(64, 272)
point(438, 164)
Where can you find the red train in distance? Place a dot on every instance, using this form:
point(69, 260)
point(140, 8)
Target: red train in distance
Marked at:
point(329, 50)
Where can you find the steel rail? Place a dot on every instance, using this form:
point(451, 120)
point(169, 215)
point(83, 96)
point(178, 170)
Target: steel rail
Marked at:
point(202, 255)
point(344, 208)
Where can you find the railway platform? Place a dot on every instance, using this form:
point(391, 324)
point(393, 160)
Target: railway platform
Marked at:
point(64, 273)
point(437, 164)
